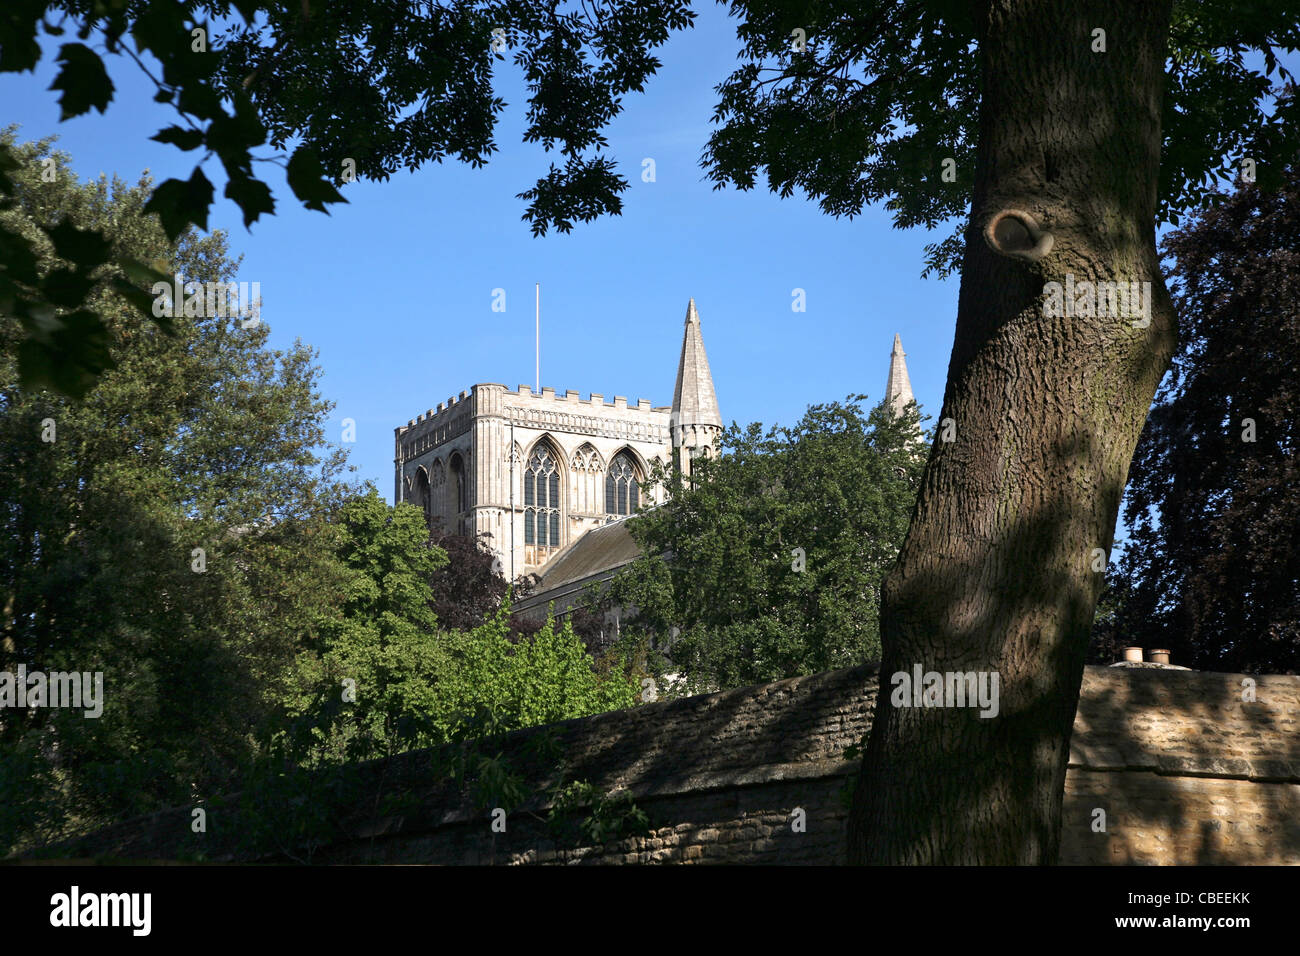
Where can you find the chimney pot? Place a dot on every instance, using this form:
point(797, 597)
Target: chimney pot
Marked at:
point(1133, 654)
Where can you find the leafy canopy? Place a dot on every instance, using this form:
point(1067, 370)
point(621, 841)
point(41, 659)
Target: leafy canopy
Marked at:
point(884, 91)
point(769, 564)
point(363, 88)
point(168, 531)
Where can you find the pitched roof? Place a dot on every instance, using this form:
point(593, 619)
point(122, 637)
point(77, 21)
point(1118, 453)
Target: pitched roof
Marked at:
point(600, 549)
point(593, 557)
point(694, 401)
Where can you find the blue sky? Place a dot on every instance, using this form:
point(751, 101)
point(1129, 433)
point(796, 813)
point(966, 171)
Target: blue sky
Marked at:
point(395, 289)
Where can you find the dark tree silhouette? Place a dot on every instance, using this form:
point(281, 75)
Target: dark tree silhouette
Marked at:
point(1212, 572)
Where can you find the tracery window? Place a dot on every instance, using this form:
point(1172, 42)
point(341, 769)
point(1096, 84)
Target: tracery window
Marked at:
point(542, 499)
point(621, 490)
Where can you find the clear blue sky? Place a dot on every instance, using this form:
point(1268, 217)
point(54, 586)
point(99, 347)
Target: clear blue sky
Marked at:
point(395, 289)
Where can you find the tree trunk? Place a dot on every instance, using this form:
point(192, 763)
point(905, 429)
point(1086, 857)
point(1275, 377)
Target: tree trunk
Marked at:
point(999, 572)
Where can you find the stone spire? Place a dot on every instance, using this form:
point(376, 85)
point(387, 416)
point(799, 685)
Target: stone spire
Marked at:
point(898, 388)
point(696, 422)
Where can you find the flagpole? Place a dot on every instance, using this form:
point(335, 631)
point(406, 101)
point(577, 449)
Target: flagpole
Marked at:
point(538, 341)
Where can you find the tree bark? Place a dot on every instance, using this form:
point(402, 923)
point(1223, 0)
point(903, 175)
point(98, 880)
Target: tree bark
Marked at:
point(996, 573)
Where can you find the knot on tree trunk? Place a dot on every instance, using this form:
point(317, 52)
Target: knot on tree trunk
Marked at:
point(1015, 233)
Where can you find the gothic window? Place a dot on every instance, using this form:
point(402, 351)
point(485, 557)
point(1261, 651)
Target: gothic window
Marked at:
point(621, 490)
point(459, 488)
point(542, 499)
point(423, 494)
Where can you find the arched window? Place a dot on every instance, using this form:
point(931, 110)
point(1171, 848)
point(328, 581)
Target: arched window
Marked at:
point(542, 499)
point(460, 489)
point(621, 492)
point(459, 485)
point(423, 493)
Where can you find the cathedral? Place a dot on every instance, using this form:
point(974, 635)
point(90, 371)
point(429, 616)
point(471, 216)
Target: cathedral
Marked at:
point(547, 481)
point(530, 474)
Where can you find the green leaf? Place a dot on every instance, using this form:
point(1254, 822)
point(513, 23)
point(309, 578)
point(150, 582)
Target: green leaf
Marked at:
point(179, 136)
point(142, 272)
point(86, 247)
point(83, 80)
point(72, 361)
point(17, 258)
point(181, 202)
point(160, 28)
point(19, 49)
point(307, 180)
point(199, 99)
point(67, 287)
point(252, 196)
point(230, 136)
point(143, 301)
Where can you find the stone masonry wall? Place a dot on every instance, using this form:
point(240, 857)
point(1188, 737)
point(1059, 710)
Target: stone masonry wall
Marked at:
point(1185, 771)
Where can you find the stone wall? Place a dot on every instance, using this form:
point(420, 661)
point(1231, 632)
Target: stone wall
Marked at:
point(1184, 769)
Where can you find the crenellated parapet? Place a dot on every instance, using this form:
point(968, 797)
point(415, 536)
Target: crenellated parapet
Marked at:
point(568, 412)
point(531, 471)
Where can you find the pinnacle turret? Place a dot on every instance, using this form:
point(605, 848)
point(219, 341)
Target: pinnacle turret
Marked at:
point(696, 422)
point(694, 401)
point(898, 387)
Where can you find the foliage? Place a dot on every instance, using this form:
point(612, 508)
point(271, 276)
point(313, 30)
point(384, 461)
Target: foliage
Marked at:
point(886, 91)
point(390, 678)
point(223, 668)
point(1213, 501)
point(610, 816)
point(541, 679)
point(460, 692)
point(777, 548)
point(203, 439)
point(364, 89)
point(380, 659)
point(471, 586)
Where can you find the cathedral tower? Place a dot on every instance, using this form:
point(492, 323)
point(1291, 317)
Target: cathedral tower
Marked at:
point(695, 422)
